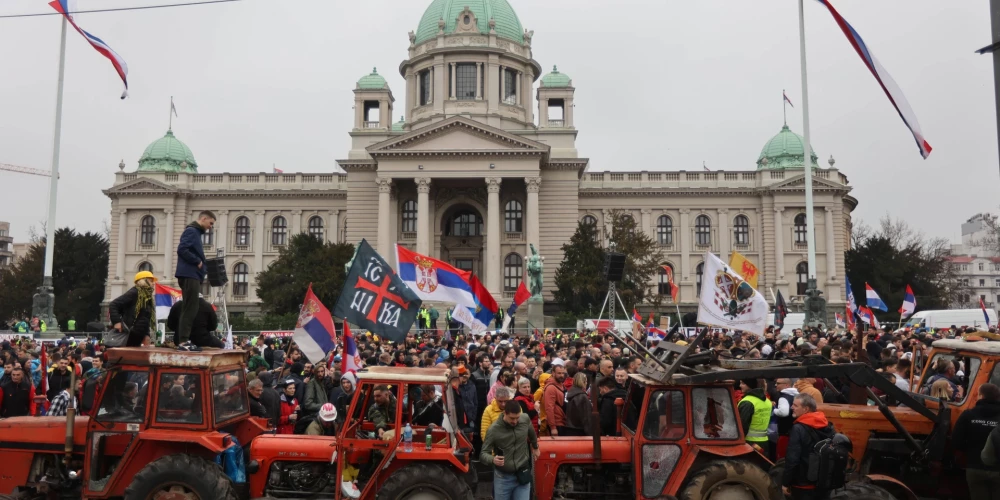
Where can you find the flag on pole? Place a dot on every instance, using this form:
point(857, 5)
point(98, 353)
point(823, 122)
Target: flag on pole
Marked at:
point(789, 101)
point(520, 297)
point(728, 301)
point(276, 170)
point(173, 109)
point(873, 300)
point(314, 331)
point(374, 298)
point(164, 298)
point(670, 282)
point(982, 305)
point(780, 311)
point(866, 315)
point(432, 279)
point(745, 267)
point(67, 8)
point(705, 167)
point(229, 338)
point(467, 317)
point(350, 361)
point(852, 305)
point(892, 91)
point(839, 320)
point(909, 303)
point(636, 317)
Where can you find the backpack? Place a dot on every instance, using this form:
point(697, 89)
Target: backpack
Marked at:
point(303, 423)
point(828, 461)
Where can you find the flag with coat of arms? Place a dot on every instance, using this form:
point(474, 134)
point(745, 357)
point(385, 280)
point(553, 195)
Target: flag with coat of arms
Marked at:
point(728, 301)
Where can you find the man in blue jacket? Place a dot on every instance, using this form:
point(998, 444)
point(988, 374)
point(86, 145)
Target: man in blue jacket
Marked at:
point(191, 270)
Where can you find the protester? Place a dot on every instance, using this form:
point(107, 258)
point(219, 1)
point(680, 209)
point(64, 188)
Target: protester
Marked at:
point(608, 411)
point(61, 403)
point(554, 400)
point(206, 321)
point(17, 395)
point(755, 414)
point(527, 401)
point(134, 312)
point(255, 388)
point(810, 427)
point(972, 431)
point(578, 408)
point(317, 392)
point(191, 270)
point(511, 445)
point(494, 410)
point(289, 412)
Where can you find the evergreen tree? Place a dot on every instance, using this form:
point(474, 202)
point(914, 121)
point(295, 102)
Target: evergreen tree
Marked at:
point(282, 286)
point(580, 283)
point(642, 259)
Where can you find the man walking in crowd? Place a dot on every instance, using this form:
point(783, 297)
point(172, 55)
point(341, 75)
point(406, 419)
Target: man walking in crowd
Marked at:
point(191, 270)
point(510, 445)
point(810, 427)
point(554, 399)
point(972, 430)
point(609, 392)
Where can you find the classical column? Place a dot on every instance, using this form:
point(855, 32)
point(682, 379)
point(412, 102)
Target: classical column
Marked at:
point(517, 87)
point(296, 223)
point(122, 241)
point(724, 236)
point(423, 215)
point(831, 249)
point(258, 246)
point(452, 93)
point(221, 230)
point(168, 247)
point(779, 245)
point(479, 80)
point(685, 237)
point(334, 226)
point(531, 211)
point(503, 84)
point(384, 186)
point(493, 234)
point(644, 220)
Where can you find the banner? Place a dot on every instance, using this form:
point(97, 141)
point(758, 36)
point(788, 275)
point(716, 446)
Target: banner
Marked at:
point(277, 333)
point(375, 298)
point(745, 268)
point(728, 301)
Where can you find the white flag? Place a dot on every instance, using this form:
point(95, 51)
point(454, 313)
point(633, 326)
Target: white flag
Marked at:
point(728, 301)
point(229, 338)
point(463, 315)
point(506, 323)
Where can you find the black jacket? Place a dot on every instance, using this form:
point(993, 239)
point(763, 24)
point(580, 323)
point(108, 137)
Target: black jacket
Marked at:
point(973, 429)
point(16, 400)
point(55, 383)
point(808, 430)
point(122, 310)
point(190, 253)
point(257, 408)
point(204, 323)
point(578, 409)
point(609, 412)
point(428, 413)
point(270, 399)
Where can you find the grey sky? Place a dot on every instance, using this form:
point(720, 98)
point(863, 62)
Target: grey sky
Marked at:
point(660, 85)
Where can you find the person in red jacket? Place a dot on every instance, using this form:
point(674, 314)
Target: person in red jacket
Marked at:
point(289, 407)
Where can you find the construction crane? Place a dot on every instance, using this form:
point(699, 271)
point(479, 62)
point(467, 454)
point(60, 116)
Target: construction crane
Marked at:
point(25, 170)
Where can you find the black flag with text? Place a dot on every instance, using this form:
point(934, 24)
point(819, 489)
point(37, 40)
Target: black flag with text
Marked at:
point(375, 298)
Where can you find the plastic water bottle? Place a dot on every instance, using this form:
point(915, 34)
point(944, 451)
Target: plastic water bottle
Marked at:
point(408, 438)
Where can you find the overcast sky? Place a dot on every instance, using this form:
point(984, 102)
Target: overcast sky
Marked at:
point(661, 85)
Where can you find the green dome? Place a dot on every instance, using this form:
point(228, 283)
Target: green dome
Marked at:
point(372, 81)
point(507, 24)
point(168, 154)
point(784, 150)
point(398, 126)
point(556, 79)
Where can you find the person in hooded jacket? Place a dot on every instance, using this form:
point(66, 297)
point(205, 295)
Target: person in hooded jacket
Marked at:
point(191, 270)
point(348, 384)
point(609, 392)
point(755, 414)
point(135, 310)
point(270, 398)
point(972, 431)
point(810, 427)
point(470, 398)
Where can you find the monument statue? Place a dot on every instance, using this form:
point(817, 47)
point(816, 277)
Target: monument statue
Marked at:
point(535, 272)
point(815, 305)
point(347, 267)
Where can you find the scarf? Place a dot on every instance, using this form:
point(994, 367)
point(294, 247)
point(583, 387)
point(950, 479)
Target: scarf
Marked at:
point(145, 301)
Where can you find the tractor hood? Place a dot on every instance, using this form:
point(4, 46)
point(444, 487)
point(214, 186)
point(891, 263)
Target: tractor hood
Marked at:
point(278, 447)
point(42, 434)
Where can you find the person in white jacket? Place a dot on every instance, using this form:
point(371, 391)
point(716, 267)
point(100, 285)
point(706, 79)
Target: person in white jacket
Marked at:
point(783, 413)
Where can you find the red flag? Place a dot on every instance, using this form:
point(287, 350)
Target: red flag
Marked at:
point(43, 367)
point(670, 282)
point(350, 361)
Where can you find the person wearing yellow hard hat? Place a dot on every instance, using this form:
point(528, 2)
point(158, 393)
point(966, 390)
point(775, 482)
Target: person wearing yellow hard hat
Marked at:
point(135, 311)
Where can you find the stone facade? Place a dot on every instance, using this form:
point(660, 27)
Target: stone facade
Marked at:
point(472, 176)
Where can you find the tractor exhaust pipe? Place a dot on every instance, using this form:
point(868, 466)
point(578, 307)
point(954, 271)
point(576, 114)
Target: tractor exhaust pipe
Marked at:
point(70, 418)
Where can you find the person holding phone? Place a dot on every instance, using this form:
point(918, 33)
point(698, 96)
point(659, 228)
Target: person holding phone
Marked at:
point(510, 445)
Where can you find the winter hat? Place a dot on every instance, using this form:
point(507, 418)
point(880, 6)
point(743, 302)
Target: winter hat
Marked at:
point(558, 362)
point(266, 378)
point(750, 382)
point(350, 377)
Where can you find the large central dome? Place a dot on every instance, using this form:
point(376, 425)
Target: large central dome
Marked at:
point(507, 24)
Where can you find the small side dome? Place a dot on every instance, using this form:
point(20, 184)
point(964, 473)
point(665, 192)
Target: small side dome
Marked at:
point(556, 79)
point(399, 126)
point(373, 81)
point(168, 154)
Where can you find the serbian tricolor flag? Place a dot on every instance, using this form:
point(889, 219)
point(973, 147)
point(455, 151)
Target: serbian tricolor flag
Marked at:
point(165, 297)
point(839, 319)
point(866, 315)
point(350, 362)
point(486, 307)
point(873, 300)
point(314, 331)
point(520, 297)
point(789, 101)
point(67, 8)
point(909, 303)
point(432, 279)
point(849, 317)
point(982, 305)
point(892, 91)
point(636, 317)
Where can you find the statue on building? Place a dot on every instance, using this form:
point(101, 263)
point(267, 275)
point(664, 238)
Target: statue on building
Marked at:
point(347, 267)
point(815, 305)
point(535, 272)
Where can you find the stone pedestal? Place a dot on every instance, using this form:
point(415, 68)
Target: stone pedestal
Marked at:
point(536, 315)
point(43, 305)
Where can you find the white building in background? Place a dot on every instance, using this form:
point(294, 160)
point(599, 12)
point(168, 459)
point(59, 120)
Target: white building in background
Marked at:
point(484, 162)
point(977, 265)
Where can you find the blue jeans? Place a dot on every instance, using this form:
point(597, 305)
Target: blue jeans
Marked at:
point(506, 487)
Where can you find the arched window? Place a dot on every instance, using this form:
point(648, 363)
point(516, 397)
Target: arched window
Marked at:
point(512, 217)
point(242, 231)
point(316, 227)
point(145, 266)
point(703, 231)
point(663, 287)
point(800, 229)
point(241, 279)
point(802, 277)
point(512, 272)
point(207, 237)
point(279, 231)
point(741, 230)
point(466, 223)
point(589, 220)
point(698, 272)
point(409, 216)
point(147, 230)
point(665, 230)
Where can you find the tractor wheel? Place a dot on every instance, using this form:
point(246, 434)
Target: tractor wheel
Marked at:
point(424, 482)
point(180, 477)
point(777, 471)
point(730, 480)
point(861, 491)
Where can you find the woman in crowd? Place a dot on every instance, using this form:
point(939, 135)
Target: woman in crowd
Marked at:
point(578, 407)
point(135, 311)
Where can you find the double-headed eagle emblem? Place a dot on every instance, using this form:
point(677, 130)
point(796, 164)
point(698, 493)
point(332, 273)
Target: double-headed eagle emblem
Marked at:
point(732, 293)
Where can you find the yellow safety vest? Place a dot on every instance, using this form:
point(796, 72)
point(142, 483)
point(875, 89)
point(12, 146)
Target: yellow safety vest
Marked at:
point(71, 324)
point(757, 432)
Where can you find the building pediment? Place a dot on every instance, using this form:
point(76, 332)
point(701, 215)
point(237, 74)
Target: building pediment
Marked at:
point(458, 136)
point(798, 183)
point(141, 186)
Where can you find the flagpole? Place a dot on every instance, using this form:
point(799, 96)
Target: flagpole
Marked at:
point(784, 108)
point(44, 308)
point(807, 161)
point(170, 114)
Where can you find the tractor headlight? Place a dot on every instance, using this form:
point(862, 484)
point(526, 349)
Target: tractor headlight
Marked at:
point(253, 467)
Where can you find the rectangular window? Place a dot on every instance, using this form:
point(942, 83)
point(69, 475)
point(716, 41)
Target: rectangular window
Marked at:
point(179, 399)
point(463, 264)
point(121, 401)
point(424, 79)
point(665, 416)
point(229, 391)
point(712, 414)
point(982, 282)
point(981, 265)
point(998, 282)
point(510, 87)
point(465, 81)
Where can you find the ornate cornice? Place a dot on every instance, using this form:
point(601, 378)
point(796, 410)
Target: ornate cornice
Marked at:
point(512, 144)
point(358, 165)
point(339, 194)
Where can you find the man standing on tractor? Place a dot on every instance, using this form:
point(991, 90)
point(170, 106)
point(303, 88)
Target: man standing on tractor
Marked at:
point(191, 270)
point(755, 414)
point(972, 430)
point(810, 427)
point(506, 447)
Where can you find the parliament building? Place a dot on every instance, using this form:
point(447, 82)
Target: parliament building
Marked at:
point(483, 162)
